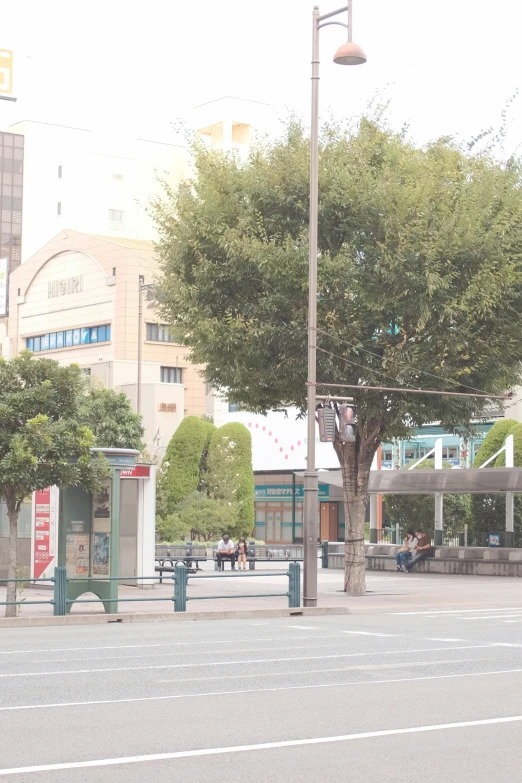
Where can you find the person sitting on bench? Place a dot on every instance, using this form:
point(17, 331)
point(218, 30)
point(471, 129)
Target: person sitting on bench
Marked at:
point(226, 551)
point(422, 550)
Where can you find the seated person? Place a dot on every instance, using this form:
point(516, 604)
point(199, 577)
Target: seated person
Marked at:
point(406, 553)
point(422, 550)
point(226, 551)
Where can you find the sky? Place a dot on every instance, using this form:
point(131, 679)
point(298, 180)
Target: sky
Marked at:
point(447, 67)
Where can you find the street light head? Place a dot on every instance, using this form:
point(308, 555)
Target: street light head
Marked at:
point(349, 54)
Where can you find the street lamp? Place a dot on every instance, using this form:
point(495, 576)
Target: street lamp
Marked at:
point(142, 288)
point(347, 54)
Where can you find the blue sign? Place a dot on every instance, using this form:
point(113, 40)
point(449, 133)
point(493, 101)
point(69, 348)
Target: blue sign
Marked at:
point(284, 491)
point(494, 539)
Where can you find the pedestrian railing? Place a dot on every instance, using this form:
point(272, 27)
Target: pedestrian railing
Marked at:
point(180, 577)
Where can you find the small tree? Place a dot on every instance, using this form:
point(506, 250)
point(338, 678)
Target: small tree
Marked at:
point(42, 441)
point(110, 417)
point(183, 458)
point(206, 518)
point(230, 478)
point(170, 528)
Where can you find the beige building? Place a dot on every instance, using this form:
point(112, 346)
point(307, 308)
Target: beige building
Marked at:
point(76, 300)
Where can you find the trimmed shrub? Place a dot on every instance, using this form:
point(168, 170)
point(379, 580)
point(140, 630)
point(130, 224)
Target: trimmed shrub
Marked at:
point(183, 459)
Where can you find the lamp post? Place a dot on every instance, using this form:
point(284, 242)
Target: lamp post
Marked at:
point(142, 287)
point(347, 54)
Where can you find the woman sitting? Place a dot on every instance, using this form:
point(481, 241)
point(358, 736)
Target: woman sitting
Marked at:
point(406, 553)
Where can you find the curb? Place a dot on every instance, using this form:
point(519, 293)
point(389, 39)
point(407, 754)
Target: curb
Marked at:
point(163, 617)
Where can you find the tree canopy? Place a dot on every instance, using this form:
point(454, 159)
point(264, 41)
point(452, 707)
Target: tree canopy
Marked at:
point(110, 417)
point(185, 457)
point(43, 441)
point(419, 281)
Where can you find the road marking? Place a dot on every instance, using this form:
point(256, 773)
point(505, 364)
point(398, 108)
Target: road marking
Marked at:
point(440, 639)
point(168, 644)
point(303, 627)
point(173, 697)
point(241, 663)
point(183, 754)
point(369, 633)
point(461, 611)
point(491, 617)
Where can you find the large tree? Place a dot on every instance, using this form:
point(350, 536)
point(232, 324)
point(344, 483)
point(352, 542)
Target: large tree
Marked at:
point(109, 415)
point(42, 440)
point(420, 282)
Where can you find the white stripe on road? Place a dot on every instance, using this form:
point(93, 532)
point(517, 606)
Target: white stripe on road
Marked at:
point(183, 754)
point(490, 617)
point(257, 690)
point(242, 663)
point(369, 633)
point(440, 639)
point(461, 611)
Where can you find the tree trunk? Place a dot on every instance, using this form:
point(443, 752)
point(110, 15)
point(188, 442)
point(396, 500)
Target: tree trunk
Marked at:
point(12, 513)
point(355, 471)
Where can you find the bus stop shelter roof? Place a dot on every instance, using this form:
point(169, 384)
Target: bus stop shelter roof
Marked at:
point(457, 481)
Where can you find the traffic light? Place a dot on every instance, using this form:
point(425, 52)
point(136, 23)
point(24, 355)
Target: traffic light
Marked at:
point(346, 423)
point(326, 419)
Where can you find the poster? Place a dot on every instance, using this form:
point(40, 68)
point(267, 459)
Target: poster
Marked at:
point(100, 554)
point(102, 502)
point(44, 532)
point(77, 555)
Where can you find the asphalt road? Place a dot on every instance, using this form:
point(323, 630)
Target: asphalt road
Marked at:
point(430, 695)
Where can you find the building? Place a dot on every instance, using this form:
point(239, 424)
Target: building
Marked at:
point(76, 300)
point(11, 173)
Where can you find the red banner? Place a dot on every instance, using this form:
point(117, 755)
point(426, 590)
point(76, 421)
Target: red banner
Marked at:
point(140, 471)
point(43, 552)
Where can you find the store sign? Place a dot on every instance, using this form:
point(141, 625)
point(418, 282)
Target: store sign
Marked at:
point(284, 492)
point(6, 75)
point(3, 286)
point(44, 532)
point(140, 471)
point(67, 285)
point(167, 407)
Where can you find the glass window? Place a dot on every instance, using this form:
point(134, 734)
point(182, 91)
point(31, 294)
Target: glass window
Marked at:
point(52, 340)
point(76, 337)
point(59, 172)
point(30, 343)
point(36, 344)
point(116, 215)
point(152, 331)
point(59, 340)
point(233, 407)
point(68, 337)
point(387, 455)
point(101, 334)
point(86, 334)
point(171, 374)
point(94, 335)
point(107, 333)
point(45, 342)
point(59, 208)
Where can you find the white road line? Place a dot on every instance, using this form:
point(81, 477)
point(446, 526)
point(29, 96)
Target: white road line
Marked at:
point(169, 644)
point(173, 697)
point(490, 617)
point(370, 633)
point(460, 611)
point(183, 754)
point(440, 639)
point(303, 627)
point(242, 663)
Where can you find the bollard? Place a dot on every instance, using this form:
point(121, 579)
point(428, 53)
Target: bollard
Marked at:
point(324, 554)
point(60, 591)
point(294, 585)
point(180, 588)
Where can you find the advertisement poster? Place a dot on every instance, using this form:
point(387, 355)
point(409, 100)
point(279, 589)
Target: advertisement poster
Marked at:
point(77, 555)
point(44, 532)
point(100, 554)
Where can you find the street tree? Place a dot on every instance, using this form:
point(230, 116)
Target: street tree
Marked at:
point(110, 417)
point(42, 439)
point(419, 282)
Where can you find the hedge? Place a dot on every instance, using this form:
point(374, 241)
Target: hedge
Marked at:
point(185, 453)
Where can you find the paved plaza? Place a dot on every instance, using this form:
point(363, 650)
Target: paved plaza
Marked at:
point(422, 680)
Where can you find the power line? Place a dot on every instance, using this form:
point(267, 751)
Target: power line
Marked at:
point(409, 390)
point(361, 366)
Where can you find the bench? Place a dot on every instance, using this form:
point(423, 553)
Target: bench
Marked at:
point(267, 553)
point(191, 556)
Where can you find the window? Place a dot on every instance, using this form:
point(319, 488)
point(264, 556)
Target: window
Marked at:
point(59, 208)
point(233, 407)
point(59, 172)
point(171, 374)
point(387, 456)
point(86, 370)
point(72, 337)
point(116, 216)
point(158, 333)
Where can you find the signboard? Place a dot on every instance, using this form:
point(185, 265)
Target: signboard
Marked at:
point(140, 471)
point(3, 286)
point(284, 492)
point(44, 532)
point(6, 75)
point(494, 539)
point(77, 554)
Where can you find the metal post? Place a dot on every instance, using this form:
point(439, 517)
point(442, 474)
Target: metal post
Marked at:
point(294, 586)
point(180, 588)
point(293, 508)
point(510, 506)
point(311, 479)
point(141, 281)
point(373, 519)
point(60, 591)
point(439, 509)
point(324, 554)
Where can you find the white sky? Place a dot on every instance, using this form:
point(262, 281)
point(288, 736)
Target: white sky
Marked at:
point(448, 66)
